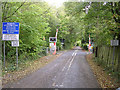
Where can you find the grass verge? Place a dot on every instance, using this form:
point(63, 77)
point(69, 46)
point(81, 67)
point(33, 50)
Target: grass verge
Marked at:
point(27, 68)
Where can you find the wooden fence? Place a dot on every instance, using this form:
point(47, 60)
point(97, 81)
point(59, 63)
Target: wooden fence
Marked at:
point(109, 57)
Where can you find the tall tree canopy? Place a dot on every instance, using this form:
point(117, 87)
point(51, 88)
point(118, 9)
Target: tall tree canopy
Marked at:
point(74, 20)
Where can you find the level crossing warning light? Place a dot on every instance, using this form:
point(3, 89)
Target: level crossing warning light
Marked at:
point(52, 39)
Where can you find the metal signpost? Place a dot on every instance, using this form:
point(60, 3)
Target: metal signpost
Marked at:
point(10, 32)
point(4, 53)
point(16, 44)
point(114, 43)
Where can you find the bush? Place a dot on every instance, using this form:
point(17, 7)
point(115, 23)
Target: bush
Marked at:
point(84, 46)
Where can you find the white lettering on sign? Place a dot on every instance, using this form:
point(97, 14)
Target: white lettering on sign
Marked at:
point(15, 43)
point(9, 37)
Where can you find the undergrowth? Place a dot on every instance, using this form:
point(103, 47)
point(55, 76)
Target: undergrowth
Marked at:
point(109, 69)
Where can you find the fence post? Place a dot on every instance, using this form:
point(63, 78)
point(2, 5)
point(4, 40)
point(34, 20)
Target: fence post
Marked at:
point(96, 51)
point(108, 56)
point(113, 58)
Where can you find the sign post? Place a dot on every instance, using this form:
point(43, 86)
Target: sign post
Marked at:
point(4, 53)
point(114, 43)
point(15, 44)
point(17, 56)
point(10, 32)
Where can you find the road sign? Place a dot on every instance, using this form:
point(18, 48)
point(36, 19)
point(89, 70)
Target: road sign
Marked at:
point(10, 31)
point(10, 28)
point(15, 43)
point(52, 39)
point(9, 37)
point(114, 42)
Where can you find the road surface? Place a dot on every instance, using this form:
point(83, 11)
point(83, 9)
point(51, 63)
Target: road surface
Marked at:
point(70, 70)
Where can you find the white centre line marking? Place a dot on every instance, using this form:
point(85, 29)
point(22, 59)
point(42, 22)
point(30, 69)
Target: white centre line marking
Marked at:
point(70, 61)
point(53, 84)
point(65, 65)
point(73, 54)
point(67, 62)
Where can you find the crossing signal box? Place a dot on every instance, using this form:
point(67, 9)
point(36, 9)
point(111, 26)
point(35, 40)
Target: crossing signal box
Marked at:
point(52, 39)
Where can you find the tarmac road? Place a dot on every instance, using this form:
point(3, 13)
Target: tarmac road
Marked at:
point(70, 70)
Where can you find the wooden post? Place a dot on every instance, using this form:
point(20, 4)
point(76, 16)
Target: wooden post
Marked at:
point(118, 68)
point(113, 58)
point(96, 51)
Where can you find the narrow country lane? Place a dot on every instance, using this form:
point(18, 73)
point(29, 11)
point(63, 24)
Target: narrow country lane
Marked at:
point(70, 70)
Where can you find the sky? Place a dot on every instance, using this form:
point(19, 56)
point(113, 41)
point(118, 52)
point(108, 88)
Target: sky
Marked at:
point(56, 3)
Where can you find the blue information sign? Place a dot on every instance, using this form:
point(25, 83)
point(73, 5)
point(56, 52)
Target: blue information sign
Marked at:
point(10, 28)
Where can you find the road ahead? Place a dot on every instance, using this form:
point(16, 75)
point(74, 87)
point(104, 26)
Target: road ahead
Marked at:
point(70, 70)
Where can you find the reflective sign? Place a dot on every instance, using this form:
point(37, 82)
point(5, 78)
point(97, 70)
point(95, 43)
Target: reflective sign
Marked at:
point(52, 39)
point(15, 43)
point(114, 42)
point(9, 37)
point(10, 31)
point(10, 28)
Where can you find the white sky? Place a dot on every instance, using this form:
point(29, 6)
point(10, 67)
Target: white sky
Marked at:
point(56, 3)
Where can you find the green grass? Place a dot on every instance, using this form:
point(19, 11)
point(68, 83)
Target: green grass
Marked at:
point(23, 61)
